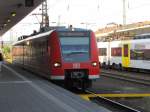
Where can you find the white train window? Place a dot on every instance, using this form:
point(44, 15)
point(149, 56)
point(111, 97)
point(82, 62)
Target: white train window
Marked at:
point(103, 51)
point(117, 51)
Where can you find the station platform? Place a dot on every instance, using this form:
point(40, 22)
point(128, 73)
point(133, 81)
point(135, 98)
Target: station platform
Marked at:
point(21, 91)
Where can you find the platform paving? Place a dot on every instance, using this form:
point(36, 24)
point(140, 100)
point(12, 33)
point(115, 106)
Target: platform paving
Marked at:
point(21, 91)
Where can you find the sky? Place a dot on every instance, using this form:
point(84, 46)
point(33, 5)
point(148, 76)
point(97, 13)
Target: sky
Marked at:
point(91, 14)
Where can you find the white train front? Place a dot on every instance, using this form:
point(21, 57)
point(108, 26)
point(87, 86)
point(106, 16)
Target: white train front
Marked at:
point(133, 53)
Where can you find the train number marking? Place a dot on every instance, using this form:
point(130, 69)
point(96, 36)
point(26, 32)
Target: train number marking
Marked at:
point(76, 65)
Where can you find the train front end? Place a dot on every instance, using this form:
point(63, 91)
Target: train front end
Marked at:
point(78, 64)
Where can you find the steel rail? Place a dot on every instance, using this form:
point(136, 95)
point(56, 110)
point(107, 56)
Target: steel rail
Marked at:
point(126, 78)
point(117, 105)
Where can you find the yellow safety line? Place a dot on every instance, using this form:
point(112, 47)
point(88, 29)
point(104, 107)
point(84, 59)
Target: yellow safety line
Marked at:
point(87, 96)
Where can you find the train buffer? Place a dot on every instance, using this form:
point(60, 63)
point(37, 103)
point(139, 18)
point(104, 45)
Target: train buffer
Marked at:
point(21, 91)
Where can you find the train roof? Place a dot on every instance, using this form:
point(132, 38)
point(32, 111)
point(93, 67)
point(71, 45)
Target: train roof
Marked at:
point(46, 32)
point(63, 28)
point(32, 37)
point(145, 34)
point(142, 36)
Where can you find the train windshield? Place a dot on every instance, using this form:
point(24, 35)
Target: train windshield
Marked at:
point(75, 49)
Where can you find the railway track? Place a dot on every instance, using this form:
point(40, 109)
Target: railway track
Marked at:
point(126, 77)
point(110, 104)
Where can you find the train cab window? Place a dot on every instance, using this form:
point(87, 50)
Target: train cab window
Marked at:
point(75, 48)
point(126, 53)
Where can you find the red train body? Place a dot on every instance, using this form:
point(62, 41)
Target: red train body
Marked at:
point(69, 56)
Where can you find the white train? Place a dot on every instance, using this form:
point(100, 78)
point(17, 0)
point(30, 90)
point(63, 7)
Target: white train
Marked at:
point(133, 53)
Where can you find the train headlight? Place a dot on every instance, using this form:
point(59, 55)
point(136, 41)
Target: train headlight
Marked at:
point(57, 64)
point(94, 64)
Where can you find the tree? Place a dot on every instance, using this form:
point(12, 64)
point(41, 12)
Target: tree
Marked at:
point(6, 51)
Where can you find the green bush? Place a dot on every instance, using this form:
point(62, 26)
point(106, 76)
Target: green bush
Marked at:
point(6, 51)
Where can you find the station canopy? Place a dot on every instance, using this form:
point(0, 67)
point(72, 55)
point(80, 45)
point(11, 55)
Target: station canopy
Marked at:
point(12, 11)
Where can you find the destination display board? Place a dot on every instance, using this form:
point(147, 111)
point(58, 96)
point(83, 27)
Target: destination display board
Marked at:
point(74, 34)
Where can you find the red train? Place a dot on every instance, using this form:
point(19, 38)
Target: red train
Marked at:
point(61, 54)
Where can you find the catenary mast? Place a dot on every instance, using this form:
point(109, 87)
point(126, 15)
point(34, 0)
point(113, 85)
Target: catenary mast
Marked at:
point(45, 17)
point(124, 12)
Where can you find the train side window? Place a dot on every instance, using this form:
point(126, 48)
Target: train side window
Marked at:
point(116, 51)
point(147, 54)
point(103, 51)
point(125, 46)
point(47, 45)
point(137, 54)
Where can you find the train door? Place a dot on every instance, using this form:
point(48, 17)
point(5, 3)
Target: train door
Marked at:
point(126, 55)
